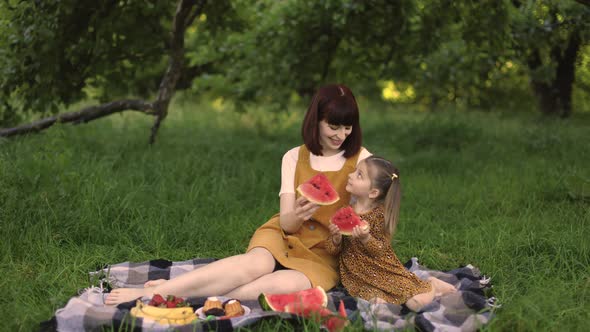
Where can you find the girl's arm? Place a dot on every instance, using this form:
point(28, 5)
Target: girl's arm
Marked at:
point(294, 212)
point(334, 241)
point(374, 246)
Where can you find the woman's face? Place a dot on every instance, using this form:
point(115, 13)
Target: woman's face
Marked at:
point(332, 137)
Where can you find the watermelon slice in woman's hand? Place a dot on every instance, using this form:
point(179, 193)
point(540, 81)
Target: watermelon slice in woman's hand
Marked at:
point(346, 220)
point(319, 190)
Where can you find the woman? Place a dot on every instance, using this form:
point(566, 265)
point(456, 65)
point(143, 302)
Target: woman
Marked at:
point(288, 252)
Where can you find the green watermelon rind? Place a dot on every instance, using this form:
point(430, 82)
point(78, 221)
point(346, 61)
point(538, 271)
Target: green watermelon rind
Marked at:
point(309, 195)
point(346, 232)
point(266, 303)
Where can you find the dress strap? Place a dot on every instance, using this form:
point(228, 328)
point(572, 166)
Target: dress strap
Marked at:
point(303, 153)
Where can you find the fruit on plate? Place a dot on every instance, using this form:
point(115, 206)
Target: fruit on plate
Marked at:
point(170, 301)
point(318, 190)
point(347, 220)
point(165, 316)
point(313, 297)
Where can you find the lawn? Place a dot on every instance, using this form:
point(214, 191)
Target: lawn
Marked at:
point(508, 193)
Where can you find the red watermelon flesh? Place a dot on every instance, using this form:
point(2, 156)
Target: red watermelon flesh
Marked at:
point(346, 220)
point(313, 297)
point(319, 190)
point(333, 322)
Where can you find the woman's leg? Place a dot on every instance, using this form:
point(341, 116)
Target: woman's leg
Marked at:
point(278, 282)
point(215, 278)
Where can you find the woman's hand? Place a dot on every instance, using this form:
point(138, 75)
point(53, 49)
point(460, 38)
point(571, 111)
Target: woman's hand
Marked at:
point(363, 233)
point(335, 234)
point(304, 209)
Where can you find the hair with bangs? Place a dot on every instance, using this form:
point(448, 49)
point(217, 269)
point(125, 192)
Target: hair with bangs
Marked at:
point(336, 105)
point(385, 178)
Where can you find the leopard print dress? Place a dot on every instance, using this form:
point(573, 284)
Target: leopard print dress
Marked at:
point(373, 270)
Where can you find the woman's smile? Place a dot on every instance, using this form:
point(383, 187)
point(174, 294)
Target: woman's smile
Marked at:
point(336, 142)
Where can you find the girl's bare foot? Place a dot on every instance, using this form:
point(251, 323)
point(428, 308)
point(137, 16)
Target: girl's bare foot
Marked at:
point(154, 283)
point(441, 287)
point(120, 295)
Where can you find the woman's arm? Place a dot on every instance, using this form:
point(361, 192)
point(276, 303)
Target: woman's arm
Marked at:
point(295, 211)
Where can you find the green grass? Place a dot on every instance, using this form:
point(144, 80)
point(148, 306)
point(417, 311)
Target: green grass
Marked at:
point(508, 193)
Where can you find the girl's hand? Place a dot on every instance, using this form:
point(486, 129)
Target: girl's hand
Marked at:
point(363, 233)
point(304, 209)
point(335, 234)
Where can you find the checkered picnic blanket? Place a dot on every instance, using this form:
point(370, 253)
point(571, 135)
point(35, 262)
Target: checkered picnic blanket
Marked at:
point(466, 310)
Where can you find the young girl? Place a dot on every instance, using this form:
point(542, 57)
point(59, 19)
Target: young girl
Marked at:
point(369, 268)
point(287, 253)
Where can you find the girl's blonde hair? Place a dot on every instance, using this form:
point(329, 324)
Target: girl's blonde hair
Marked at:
point(385, 178)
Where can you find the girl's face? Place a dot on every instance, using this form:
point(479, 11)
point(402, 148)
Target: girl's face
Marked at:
point(332, 137)
point(359, 183)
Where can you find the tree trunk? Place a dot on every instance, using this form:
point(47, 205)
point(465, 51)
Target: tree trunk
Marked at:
point(566, 73)
point(555, 97)
point(182, 19)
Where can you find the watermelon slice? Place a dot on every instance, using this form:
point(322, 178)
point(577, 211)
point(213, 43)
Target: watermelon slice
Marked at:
point(319, 190)
point(333, 322)
point(347, 220)
point(313, 297)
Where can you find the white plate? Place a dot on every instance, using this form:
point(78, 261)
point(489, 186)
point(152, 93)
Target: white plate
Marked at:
point(201, 315)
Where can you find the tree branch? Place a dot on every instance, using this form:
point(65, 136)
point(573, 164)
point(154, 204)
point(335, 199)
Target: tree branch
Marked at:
point(176, 62)
point(84, 115)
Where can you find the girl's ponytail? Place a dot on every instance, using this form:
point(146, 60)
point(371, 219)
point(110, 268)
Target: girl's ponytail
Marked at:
point(391, 204)
point(385, 177)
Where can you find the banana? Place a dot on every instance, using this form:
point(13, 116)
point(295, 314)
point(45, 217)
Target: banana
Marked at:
point(176, 316)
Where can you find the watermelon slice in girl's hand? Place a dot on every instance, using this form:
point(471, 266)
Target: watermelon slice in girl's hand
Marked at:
point(346, 220)
point(319, 190)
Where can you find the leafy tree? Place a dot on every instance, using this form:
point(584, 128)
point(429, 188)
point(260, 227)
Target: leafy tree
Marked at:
point(548, 36)
point(55, 53)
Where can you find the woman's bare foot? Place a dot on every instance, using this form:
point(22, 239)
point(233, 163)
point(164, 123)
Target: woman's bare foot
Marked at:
point(154, 283)
point(120, 295)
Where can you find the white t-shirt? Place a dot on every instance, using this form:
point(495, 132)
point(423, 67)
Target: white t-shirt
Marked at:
point(318, 163)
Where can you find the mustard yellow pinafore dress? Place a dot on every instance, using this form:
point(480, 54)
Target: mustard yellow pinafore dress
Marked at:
point(305, 250)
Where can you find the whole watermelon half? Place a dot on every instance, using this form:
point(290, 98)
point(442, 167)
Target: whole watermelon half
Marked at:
point(313, 297)
point(319, 190)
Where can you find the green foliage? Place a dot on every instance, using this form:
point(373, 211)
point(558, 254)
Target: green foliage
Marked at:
point(489, 189)
point(53, 49)
point(451, 54)
point(60, 52)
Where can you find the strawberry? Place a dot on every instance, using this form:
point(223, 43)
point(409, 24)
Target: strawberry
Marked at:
point(180, 302)
point(156, 300)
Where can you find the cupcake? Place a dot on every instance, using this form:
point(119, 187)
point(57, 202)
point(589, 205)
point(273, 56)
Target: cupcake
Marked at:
point(233, 308)
point(213, 306)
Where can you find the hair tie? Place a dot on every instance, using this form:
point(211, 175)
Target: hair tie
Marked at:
point(393, 176)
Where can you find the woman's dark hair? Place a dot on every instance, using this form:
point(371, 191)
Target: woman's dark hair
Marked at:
point(336, 105)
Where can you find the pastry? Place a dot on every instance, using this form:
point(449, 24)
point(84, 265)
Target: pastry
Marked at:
point(213, 306)
point(233, 308)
